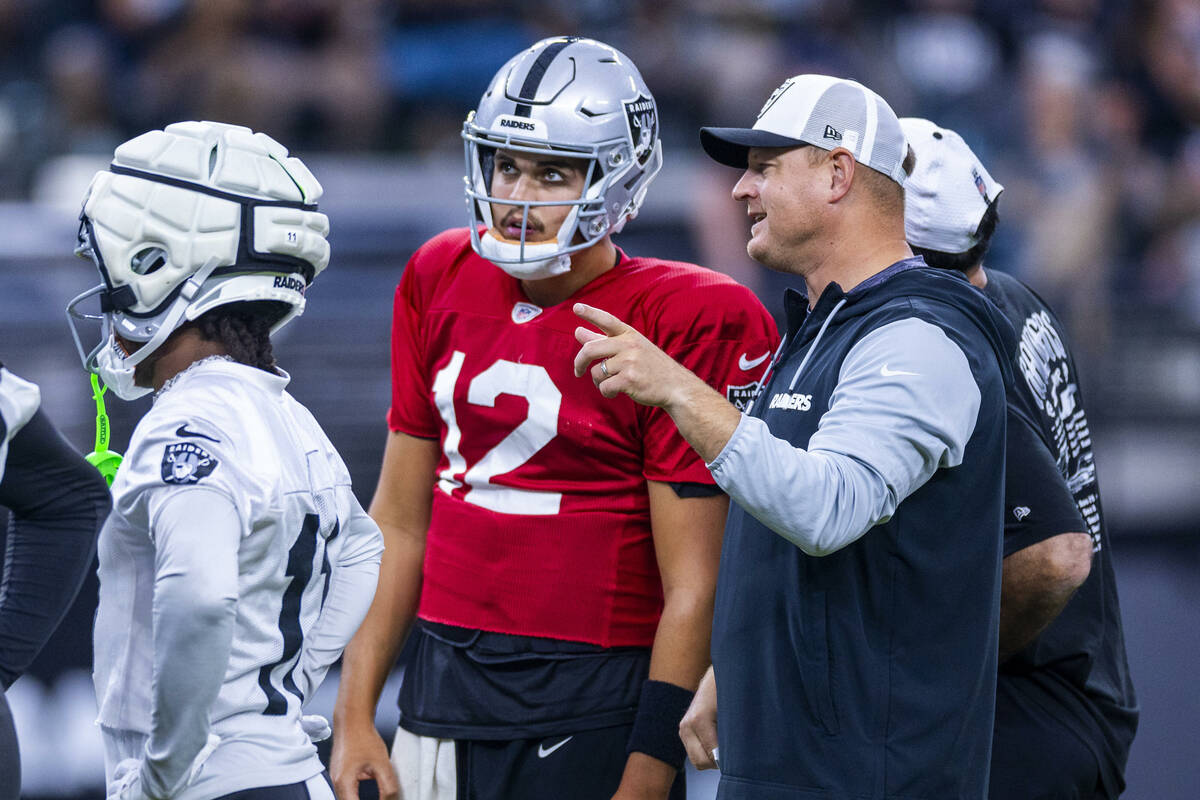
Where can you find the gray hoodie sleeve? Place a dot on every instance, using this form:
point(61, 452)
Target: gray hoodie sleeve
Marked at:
point(905, 405)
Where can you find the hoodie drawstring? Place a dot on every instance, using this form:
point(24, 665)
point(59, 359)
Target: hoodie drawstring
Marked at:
point(816, 340)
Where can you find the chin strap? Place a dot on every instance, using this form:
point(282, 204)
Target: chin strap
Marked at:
point(104, 460)
point(187, 293)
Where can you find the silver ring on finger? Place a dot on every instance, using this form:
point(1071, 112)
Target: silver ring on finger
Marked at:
point(604, 368)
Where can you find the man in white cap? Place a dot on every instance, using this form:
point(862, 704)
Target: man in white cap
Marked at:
point(1066, 712)
point(857, 610)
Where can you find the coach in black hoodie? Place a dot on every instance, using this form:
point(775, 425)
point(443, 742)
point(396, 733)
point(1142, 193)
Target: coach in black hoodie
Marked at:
point(856, 615)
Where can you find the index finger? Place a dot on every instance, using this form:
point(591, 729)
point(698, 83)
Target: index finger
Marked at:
point(601, 319)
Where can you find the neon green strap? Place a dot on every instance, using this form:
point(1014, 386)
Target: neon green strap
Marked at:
point(103, 459)
point(101, 414)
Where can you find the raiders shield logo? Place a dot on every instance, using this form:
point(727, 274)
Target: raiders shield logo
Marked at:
point(642, 120)
point(185, 463)
point(775, 95)
point(742, 396)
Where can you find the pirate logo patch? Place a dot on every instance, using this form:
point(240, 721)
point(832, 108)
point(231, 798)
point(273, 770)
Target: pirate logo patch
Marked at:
point(742, 396)
point(775, 95)
point(642, 119)
point(185, 463)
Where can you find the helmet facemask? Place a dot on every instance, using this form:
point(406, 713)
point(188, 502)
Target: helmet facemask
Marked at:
point(595, 107)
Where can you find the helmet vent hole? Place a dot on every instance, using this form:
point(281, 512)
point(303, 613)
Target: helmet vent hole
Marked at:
point(148, 260)
point(212, 161)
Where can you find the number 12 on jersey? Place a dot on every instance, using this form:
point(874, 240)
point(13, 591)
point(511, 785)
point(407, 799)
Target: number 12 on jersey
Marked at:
point(529, 381)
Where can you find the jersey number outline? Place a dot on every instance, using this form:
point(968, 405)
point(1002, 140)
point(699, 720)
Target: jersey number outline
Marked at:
point(529, 381)
point(300, 570)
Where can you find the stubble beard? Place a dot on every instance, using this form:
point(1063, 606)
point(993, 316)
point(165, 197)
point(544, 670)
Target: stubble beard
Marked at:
point(764, 254)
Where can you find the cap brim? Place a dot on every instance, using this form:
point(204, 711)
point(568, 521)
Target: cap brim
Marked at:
point(728, 146)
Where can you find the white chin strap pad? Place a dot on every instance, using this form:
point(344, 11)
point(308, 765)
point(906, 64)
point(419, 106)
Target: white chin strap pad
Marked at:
point(540, 260)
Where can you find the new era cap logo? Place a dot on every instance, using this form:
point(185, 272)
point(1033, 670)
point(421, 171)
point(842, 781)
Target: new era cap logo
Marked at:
point(833, 133)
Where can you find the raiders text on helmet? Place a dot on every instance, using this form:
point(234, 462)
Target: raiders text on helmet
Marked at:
point(571, 97)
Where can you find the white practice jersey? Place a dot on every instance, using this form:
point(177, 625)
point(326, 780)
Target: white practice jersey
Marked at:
point(232, 429)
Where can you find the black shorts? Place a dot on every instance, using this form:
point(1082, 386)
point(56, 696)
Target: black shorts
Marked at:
point(10, 756)
point(1036, 756)
point(315, 788)
point(583, 766)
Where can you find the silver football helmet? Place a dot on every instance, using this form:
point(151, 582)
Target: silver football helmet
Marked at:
point(186, 219)
point(570, 97)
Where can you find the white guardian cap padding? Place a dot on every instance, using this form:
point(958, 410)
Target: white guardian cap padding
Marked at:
point(189, 218)
point(567, 97)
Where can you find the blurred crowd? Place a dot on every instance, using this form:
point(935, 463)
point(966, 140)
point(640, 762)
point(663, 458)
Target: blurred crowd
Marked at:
point(1087, 110)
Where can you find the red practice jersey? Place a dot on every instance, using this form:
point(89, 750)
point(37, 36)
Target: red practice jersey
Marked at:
point(541, 519)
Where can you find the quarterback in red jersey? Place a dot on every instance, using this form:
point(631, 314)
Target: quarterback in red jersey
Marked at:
point(557, 552)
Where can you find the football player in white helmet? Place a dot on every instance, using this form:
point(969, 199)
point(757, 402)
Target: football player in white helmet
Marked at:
point(236, 563)
point(555, 558)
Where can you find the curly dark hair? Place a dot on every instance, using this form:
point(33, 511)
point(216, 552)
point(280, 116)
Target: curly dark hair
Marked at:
point(244, 330)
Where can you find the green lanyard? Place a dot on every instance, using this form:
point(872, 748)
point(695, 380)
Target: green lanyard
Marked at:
point(105, 460)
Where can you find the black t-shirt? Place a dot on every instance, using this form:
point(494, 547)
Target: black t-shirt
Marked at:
point(462, 683)
point(1077, 666)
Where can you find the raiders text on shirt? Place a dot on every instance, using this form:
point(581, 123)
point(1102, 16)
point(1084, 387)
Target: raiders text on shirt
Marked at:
point(791, 401)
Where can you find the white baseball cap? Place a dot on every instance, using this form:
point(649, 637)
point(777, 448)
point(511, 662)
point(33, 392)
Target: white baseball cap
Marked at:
point(949, 191)
point(825, 112)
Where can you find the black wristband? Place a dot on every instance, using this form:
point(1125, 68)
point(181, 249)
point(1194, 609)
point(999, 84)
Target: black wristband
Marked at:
point(656, 726)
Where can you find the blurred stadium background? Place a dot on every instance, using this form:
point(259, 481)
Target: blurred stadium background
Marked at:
point(1087, 110)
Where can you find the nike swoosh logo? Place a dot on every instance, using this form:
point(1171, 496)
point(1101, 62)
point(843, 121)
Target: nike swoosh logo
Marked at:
point(182, 431)
point(544, 751)
point(888, 373)
point(747, 364)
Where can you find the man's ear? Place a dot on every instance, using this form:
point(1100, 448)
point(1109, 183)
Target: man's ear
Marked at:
point(842, 163)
